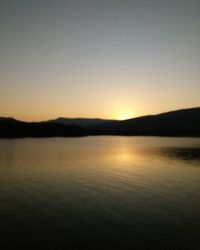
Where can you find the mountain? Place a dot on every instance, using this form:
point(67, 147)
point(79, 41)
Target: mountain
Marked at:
point(83, 122)
point(185, 122)
point(11, 128)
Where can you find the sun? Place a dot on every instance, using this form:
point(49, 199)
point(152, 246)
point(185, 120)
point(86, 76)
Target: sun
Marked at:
point(124, 116)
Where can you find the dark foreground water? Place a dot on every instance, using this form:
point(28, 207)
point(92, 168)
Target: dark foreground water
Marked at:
point(100, 193)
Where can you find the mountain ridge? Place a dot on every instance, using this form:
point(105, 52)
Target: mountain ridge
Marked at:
point(182, 122)
point(79, 121)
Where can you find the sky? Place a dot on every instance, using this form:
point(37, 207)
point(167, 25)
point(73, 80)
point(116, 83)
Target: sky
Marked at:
point(98, 58)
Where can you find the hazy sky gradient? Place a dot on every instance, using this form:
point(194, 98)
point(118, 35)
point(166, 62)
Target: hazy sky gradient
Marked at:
point(98, 58)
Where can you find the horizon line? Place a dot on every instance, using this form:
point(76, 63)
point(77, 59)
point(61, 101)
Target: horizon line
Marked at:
point(97, 118)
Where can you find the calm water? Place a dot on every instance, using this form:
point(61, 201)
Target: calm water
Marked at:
point(100, 193)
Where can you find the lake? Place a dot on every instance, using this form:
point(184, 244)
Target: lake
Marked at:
point(104, 192)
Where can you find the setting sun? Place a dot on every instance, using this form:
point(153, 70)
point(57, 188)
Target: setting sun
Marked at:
point(124, 116)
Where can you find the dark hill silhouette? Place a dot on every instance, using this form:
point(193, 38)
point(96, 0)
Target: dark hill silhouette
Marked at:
point(11, 128)
point(84, 122)
point(185, 122)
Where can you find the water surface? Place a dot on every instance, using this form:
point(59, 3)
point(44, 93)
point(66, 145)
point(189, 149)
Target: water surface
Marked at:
point(100, 192)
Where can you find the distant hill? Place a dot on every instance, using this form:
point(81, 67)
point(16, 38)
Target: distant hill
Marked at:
point(84, 122)
point(185, 122)
point(11, 128)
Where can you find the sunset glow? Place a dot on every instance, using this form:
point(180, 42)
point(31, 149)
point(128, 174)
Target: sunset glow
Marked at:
point(99, 124)
point(98, 59)
point(124, 116)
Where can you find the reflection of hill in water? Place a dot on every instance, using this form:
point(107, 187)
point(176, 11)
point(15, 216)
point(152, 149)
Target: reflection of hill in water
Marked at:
point(187, 154)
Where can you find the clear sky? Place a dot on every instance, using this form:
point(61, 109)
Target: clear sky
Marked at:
point(98, 58)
